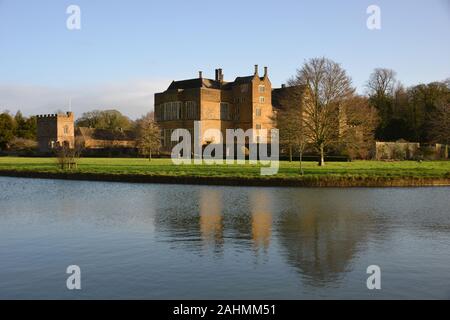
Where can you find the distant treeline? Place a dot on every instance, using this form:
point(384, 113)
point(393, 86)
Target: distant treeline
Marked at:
point(17, 132)
point(419, 113)
point(106, 119)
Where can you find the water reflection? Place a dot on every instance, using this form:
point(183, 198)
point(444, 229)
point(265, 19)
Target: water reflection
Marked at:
point(213, 216)
point(319, 236)
point(322, 237)
point(211, 226)
point(165, 241)
point(261, 206)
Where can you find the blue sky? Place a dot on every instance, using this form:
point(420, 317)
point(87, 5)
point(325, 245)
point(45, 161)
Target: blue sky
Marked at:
point(127, 50)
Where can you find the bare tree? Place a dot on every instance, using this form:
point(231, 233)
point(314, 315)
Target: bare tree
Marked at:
point(358, 123)
point(381, 83)
point(440, 125)
point(381, 89)
point(447, 83)
point(289, 120)
point(149, 135)
point(328, 85)
point(67, 156)
point(301, 143)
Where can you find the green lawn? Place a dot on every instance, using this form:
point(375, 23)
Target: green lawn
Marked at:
point(164, 167)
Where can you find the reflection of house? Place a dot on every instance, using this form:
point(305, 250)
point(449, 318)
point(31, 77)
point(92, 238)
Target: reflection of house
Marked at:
point(58, 130)
point(261, 219)
point(211, 226)
point(99, 138)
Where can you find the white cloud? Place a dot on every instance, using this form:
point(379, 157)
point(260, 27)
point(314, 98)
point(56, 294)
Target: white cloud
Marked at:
point(133, 98)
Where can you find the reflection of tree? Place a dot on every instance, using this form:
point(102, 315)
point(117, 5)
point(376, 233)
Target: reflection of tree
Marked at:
point(321, 240)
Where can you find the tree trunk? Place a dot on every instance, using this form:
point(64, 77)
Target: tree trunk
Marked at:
point(150, 155)
point(290, 153)
point(301, 162)
point(322, 157)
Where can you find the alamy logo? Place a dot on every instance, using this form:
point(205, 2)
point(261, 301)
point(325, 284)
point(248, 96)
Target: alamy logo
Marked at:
point(74, 280)
point(374, 20)
point(374, 280)
point(73, 22)
point(236, 142)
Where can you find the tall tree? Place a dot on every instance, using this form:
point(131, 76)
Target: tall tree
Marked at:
point(108, 119)
point(289, 120)
point(25, 128)
point(424, 100)
point(359, 120)
point(328, 85)
point(440, 124)
point(149, 135)
point(6, 130)
point(381, 88)
point(382, 82)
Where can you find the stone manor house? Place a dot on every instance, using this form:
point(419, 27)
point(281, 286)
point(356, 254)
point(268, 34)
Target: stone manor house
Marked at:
point(245, 103)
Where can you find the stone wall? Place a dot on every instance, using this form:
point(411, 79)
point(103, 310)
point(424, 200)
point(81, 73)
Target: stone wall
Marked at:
point(410, 151)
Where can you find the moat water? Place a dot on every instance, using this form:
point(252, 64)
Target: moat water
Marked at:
point(194, 242)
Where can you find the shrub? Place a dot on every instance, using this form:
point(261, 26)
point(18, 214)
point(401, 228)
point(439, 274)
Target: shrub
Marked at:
point(21, 144)
point(382, 153)
point(399, 153)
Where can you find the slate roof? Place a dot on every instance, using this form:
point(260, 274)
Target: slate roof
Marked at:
point(208, 83)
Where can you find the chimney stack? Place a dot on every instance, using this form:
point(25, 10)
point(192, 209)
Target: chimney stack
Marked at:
point(283, 86)
point(217, 75)
point(220, 75)
point(256, 69)
point(265, 72)
point(200, 74)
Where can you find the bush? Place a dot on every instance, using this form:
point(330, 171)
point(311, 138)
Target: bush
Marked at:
point(399, 153)
point(21, 144)
point(383, 153)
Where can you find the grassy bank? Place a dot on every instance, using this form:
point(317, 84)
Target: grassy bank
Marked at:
point(357, 173)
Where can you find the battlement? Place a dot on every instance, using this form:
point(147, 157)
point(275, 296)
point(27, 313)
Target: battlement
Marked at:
point(55, 115)
point(46, 116)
